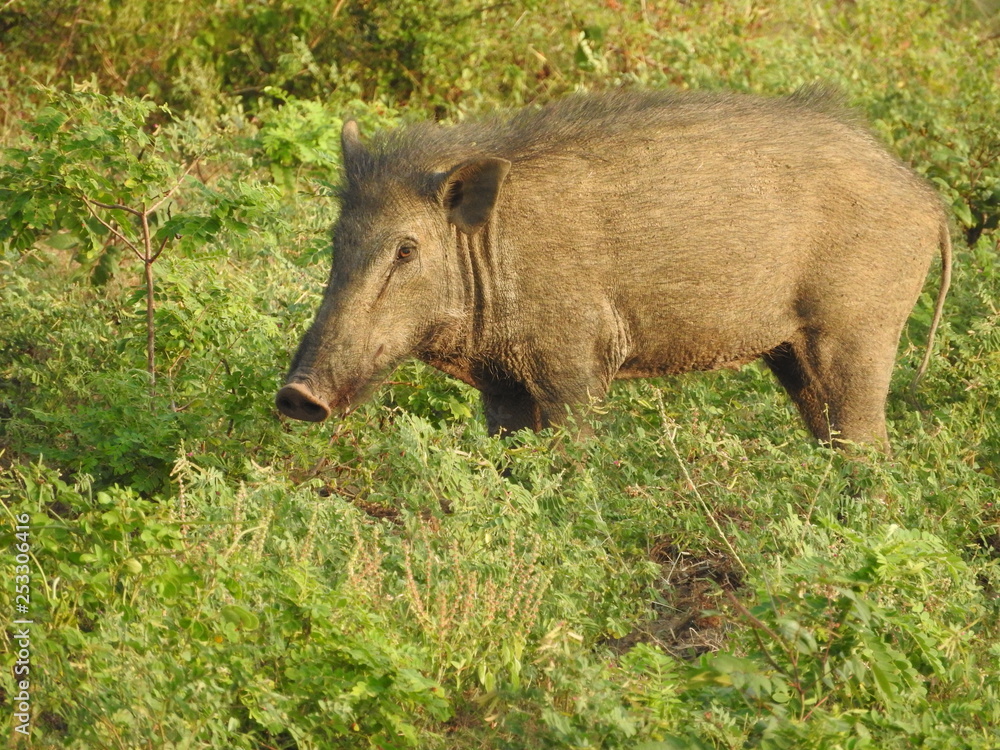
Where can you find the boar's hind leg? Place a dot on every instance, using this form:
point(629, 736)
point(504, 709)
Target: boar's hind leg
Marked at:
point(837, 385)
point(805, 391)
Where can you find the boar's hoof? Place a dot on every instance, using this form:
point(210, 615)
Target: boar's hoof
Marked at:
point(295, 400)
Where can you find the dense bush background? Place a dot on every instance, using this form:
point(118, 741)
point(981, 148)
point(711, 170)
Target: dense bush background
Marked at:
point(698, 575)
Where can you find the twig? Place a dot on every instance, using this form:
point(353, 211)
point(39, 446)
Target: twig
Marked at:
point(128, 243)
point(166, 195)
point(64, 47)
point(114, 207)
point(759, 625)
point(812, 505)
point(160, 249)
point(704, 506)
point(150, 322)
point(480, 11)
point(755, 621)
point(554, 70)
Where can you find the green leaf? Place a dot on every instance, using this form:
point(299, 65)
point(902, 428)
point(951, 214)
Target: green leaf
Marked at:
point(62, 241)
point(187, 225)
point(672, 743)
point(47, 122)
point(962, 212)
point(239, 616)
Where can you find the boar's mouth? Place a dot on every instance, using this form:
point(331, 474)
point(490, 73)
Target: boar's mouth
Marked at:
point(297, 400)
point(306, 397)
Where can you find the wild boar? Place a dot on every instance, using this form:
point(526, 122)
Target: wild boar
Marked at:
point(541, 254)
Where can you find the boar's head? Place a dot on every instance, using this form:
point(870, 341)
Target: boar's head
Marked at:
point(396, 281)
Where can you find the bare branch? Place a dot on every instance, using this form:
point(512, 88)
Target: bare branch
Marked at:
point(159, 249)
point(755, 621)
point(758, 626)
point(113, 207)
point(128, 243)
point(166, 195)
point(147, 245)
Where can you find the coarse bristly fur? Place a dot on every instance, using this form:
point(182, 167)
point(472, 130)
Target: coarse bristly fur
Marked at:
point(542, 253)
point(575, 123)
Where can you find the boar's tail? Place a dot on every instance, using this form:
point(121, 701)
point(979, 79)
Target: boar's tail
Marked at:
point(945, 248)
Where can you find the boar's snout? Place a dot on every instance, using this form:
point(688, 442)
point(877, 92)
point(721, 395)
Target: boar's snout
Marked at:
point(297, 401)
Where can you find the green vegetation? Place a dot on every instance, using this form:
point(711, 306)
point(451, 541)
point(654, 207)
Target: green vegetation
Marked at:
point(697, 575)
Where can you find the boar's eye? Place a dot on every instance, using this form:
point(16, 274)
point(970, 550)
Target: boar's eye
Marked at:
point(406, 252)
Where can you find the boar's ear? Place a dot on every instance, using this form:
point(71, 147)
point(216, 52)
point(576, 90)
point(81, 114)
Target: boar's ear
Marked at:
point(350, 141)
point(469, 192)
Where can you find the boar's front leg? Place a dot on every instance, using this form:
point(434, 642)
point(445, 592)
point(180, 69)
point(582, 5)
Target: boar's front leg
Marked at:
point(511, 410)
point(555, 376)
point(519, 410)
point(544, 402)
